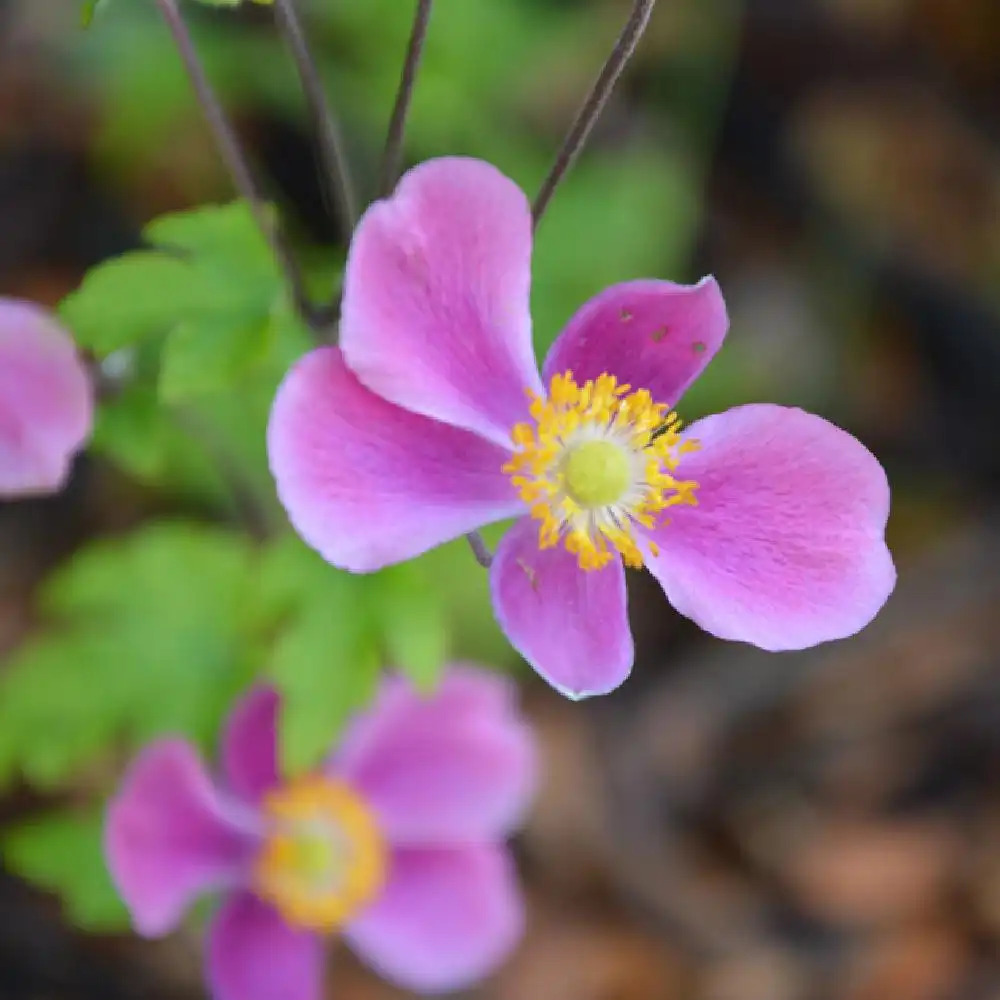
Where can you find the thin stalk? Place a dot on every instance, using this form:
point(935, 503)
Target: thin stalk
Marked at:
point(233, 156)
point(336, 168)
point(480, 549)
point(594, 103)
point(392, 157)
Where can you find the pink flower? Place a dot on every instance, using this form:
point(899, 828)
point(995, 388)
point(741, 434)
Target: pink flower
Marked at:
point(763, 524)
point(396, 843)
point(46, 402)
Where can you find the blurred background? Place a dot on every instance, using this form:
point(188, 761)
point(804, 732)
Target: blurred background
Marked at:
point(730, 825)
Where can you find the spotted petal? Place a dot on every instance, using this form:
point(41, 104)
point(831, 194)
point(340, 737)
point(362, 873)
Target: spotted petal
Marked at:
point(368, 484)
point(435, 311)
point(254, 955)
point(453, 767)
point(785, 548)
point(170, 836)
point(446, 918)
point(570, 625)
point(652, 335)
point(46, 401)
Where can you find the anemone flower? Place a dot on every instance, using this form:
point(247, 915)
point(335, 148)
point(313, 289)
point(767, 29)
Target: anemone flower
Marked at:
point(396, 842)
point(763, 524)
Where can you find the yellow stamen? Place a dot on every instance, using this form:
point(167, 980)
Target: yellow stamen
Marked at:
point(598, 460)
point(324, 857)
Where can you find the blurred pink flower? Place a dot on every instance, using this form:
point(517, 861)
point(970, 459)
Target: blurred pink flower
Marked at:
point(396, 842)
point(46, 401)
point(764, 524)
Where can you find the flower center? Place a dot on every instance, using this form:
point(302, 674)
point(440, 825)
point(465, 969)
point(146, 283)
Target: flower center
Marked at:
point(599, 460)
point(323, 857)
point(597, 473)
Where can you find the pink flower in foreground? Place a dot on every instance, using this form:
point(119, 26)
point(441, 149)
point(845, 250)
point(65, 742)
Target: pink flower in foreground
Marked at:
point(46, 402)
point(397, 842)
point(763, 524)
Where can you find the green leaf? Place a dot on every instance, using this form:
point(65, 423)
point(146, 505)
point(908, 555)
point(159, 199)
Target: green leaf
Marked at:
point(413, 624)
point(151, 634)
point(202, 355)
point(325, 660)
point(89, 10)
point(211, 288)
point(132, 297)
point(62, 852)
point(232, 3)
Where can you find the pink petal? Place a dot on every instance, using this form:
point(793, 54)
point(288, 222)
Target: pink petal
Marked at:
point(454, 767)
point(570, 625)
point(446, 919)
point(250, 744)
point(169, 837)
point(785, 548)
point(46, 401)
point(436, 313)
point(366, 483)
point(653, 335)
point(254, 955)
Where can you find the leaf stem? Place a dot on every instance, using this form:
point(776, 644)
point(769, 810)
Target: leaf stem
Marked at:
point(336, 168)
point(233, 156)
point(479, 549)
point(594, 103)
point(392, 156)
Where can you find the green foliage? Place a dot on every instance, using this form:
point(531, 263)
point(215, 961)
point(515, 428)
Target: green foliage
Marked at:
point(211, 288)
point(89, 11)
point(204, 324)
point(336, 630)
point(149, 634)
point(62, 852)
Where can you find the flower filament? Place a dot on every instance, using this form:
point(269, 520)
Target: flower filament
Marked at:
point(597, 461)
point(323, 857)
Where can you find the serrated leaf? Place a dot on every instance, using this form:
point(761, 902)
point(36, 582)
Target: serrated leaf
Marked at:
point(221, 239)
point(211, 288)
point(63, 852)
point(132, 297)
point(151, 635)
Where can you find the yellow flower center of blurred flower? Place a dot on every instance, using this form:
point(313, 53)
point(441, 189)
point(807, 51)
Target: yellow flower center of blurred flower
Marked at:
point(598, 460)
point(323, 857)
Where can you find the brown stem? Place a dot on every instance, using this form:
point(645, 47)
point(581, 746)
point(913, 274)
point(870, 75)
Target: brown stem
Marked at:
point(594, 103)
point(336, 174)
point(393, 154)
point(232, 155)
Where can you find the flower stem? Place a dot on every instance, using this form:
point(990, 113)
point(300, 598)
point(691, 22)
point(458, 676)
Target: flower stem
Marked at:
point(479, 549)
point(232, 155)
point(392, 156)
point(336, 169)
point(594, 103)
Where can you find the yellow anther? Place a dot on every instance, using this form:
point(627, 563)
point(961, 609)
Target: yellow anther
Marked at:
point(323, 858)
point(598, 459)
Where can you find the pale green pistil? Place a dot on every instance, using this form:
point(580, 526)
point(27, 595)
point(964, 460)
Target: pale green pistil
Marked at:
point(596, 473)
point(317, 857)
